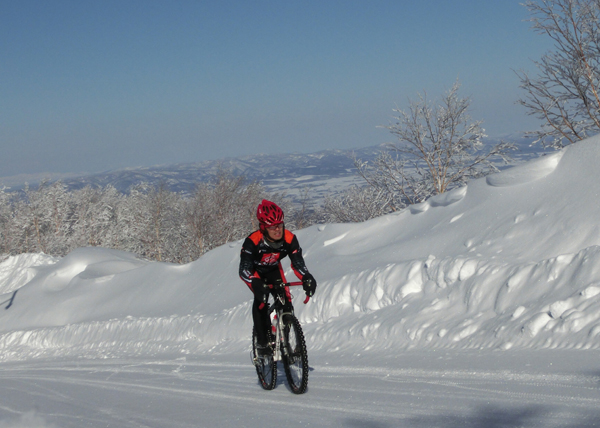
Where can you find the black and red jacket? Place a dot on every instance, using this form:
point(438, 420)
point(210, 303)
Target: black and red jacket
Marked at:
point(261, 259)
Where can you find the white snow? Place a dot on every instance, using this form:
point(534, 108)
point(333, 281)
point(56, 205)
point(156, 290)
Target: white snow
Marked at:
point(479, 307)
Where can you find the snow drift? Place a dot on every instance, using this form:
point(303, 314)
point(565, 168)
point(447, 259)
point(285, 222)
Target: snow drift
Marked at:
point(509, 261)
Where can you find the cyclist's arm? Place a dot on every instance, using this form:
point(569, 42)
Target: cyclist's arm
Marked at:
point(247, 269)
point(295, 254)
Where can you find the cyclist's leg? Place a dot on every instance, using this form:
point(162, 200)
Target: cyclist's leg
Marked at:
point(260, 316)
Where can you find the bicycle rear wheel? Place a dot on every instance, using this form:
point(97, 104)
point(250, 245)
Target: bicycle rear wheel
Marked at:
point(295, 357)
point(266, 366)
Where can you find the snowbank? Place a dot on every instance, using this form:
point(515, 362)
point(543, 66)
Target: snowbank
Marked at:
point(510, 261)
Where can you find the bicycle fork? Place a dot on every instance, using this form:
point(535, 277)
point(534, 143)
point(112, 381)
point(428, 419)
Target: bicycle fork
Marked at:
point(280, 348)
point(277, 326)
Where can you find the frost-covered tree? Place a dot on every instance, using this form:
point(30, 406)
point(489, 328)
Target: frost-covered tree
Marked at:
point(60, 205)
point(565, 94)
point(151, 221)
point(222, 211)
point(357, 204)
point(302, 214)
point(7, 223)
point(94, 221)
point(134, 220)
point(162, 207)
point(40, 217)
point(18, 230)
point(438, 148)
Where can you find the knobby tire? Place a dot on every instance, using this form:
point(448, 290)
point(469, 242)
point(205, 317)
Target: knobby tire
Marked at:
point(295, 358)
point(266, 367)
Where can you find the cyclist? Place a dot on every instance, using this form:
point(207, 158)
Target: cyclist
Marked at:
point(260, 266)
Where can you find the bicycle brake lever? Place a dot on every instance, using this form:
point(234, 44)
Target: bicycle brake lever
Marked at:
point(306, 300)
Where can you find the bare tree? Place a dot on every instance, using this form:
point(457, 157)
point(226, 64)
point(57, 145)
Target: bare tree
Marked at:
point(221, 211)
point(94, 221)
point(162, 208)
point(439, 148)
point(302, 214)
point(36, 221)
point(151, 221)
point(356, 204)
point(565, 94)
point(8, 237)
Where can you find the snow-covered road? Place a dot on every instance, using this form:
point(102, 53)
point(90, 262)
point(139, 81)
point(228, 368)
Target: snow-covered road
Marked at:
point(477, 308)
point(445, 389)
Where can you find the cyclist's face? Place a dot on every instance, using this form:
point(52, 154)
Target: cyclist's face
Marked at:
point(275, 232)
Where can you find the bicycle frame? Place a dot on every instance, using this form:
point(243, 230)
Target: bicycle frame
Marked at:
point(289, 349)
point(278, 333)
point(277, 307)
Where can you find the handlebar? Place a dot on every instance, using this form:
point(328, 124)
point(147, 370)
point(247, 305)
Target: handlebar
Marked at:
point(299, 283)
point(291, 284)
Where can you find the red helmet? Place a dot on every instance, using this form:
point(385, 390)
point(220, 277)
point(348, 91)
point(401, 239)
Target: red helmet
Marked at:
point(269, 214)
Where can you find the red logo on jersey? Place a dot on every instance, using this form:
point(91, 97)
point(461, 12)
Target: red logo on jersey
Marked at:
point(270, 259)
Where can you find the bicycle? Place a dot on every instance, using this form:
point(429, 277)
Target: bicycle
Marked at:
point(287, 343)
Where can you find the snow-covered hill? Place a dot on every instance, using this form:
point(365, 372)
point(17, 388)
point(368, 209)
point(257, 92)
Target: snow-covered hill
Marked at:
point(511, 262)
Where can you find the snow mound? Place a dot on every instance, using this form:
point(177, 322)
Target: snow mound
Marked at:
point(442, 200)
point(526, 173)
point(18, 270)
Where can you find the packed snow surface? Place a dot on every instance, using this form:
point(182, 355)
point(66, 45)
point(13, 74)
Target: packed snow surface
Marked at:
point(487, 294)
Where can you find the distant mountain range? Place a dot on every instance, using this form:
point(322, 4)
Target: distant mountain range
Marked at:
point(324, 170)
point(320, 173)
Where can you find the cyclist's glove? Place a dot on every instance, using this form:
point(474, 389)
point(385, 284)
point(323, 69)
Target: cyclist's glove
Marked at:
point(309, 284)
point(261, 292)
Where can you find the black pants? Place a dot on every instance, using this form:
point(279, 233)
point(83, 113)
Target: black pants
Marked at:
point(260, 310)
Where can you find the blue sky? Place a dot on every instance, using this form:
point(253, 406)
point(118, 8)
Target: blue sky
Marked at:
point(87, 86)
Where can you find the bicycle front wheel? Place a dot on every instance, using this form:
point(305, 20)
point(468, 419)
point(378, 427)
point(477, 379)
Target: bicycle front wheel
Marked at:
point(295, 356)
point(266, 366)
